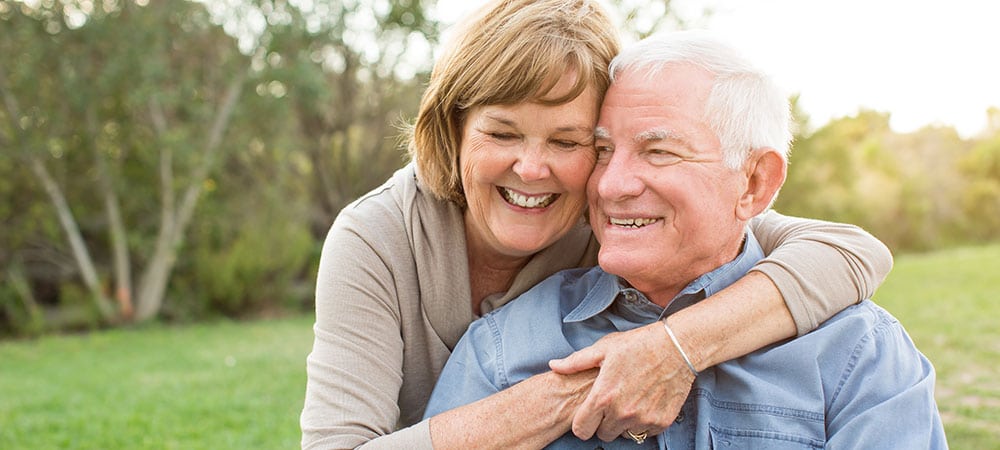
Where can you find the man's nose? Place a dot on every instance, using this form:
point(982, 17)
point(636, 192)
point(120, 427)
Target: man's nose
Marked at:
point(619, 178)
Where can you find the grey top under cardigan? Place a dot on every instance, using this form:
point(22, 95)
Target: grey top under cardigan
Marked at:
point(393, 298)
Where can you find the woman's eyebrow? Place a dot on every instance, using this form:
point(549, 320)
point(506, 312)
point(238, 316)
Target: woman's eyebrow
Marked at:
point(499, 119)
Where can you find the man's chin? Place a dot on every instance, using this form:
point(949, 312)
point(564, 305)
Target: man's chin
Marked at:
point(621, 263)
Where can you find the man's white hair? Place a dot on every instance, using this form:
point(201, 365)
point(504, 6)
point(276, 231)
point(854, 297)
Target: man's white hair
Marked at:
point(746, 109)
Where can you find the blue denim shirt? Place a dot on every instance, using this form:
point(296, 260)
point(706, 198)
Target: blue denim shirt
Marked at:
point(855, 382)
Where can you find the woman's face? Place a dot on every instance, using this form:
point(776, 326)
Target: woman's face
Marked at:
point(524, 172)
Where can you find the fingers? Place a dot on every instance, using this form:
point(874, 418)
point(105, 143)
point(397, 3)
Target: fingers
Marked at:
point(617, 417)
point(588, 358)
point(641, 386)
point(587, 418)
point(609, 430)
point(593, 413)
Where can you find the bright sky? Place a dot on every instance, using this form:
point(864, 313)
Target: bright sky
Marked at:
point(925, 62)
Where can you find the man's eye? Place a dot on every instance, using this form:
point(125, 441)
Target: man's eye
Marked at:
point(566, 145)
point(663, 157)
point(604, 152)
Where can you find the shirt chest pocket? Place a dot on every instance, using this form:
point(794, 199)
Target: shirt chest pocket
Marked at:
point(727, 438)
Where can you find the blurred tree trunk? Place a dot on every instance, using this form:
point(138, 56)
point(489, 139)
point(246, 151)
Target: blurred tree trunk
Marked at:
point(116, 225)
point(80, 253)
point(174, 221)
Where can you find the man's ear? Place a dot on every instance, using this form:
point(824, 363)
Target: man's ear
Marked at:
point(765, 170)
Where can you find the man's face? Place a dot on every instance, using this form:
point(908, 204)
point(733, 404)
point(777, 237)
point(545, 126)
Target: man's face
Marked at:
point(662, 203)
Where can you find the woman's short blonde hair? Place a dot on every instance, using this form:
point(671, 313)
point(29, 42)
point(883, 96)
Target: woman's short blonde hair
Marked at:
point(509, 51)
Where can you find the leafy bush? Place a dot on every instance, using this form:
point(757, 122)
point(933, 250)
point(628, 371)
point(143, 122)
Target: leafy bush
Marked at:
point(255, 270)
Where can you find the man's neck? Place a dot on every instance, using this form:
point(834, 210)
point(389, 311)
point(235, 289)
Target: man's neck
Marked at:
point(663, 292)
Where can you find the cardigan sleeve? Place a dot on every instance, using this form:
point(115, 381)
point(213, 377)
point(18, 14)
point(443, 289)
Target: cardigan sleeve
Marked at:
point(354, 372)
point(819, 267)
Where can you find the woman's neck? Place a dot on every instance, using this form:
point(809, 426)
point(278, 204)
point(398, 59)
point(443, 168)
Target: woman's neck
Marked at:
point(490, 272)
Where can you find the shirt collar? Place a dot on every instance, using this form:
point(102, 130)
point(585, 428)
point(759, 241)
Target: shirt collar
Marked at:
point(608, 286)
point(731, 271)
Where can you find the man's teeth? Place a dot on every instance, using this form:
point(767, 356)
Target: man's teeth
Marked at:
point(634, 223)
point(524, 201)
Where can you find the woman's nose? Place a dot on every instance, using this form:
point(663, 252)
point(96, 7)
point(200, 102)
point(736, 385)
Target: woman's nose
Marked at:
point(532, 164)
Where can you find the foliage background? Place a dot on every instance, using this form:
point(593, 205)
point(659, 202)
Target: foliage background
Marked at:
point(180, 162)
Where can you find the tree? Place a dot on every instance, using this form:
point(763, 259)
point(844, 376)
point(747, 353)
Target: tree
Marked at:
point(126, 78)
point(902, 187)
point(124, 108)
point(347, 93)
point(980, 200)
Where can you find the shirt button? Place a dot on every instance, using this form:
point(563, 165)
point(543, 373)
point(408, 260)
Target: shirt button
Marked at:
point(630, 296)
point(680, 417)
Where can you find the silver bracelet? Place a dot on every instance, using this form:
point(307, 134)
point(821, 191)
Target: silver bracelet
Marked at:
point(679, 349)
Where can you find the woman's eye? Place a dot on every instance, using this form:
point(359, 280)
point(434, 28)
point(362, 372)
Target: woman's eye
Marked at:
point(567, 145)
point(502, 136)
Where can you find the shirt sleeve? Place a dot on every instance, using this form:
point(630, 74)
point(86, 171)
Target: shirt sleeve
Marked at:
point(354, 372)
point(884, 396)
point(472, 371)
point(819, 267)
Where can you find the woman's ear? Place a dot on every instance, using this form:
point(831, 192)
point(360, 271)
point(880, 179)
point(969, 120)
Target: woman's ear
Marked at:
point(765, 170)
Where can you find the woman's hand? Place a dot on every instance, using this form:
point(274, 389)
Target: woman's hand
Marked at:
point(642, 384)
point(531, 414)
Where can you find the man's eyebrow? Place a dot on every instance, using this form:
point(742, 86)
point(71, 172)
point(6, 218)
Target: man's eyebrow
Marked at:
point(645, 136)
point(659, 135)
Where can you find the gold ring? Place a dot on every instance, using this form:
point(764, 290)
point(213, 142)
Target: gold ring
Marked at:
point(638, 438)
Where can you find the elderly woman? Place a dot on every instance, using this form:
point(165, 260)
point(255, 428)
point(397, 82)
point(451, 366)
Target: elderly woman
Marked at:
point(492, 204)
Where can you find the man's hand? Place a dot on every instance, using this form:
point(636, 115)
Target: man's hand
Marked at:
point(641, 387)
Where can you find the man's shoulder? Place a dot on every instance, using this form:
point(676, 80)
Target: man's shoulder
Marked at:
point(834, 341)
point(858, 329)
point(862, 317)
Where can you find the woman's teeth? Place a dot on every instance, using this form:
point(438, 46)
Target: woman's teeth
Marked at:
point(525, 201)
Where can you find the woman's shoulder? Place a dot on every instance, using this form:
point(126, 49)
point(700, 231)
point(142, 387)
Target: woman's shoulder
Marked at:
point(398, 217)
point(389, 196)
point(399, 201)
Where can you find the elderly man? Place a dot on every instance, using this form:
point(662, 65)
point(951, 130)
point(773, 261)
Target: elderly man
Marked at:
point(692, 144)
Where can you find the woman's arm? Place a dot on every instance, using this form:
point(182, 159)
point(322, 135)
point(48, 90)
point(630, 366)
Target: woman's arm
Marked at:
point(482, 400)
point(530, 414)
point(354, 373)
point(356, 368)
point(821, 267)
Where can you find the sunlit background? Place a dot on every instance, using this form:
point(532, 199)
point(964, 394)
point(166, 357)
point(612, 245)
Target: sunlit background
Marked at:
point(925, 62)
point(169, 170)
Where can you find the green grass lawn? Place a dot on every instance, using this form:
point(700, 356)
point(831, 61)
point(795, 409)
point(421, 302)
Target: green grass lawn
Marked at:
point(212, 386)
point(240, 385)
